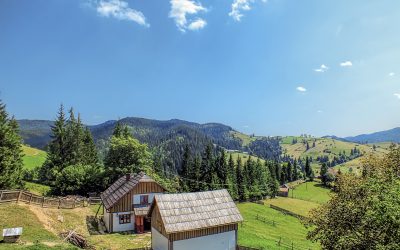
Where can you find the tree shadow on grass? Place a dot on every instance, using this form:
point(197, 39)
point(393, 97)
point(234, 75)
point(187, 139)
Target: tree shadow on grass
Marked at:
point(95, 225)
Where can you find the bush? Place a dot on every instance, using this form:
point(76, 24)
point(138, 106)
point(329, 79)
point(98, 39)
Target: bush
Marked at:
point(79, 180)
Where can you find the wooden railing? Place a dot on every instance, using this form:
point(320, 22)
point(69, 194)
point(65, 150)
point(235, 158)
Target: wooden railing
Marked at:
point(7, 196)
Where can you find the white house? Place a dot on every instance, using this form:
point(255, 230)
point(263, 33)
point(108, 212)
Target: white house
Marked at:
point(196, 221)
point(127, 201)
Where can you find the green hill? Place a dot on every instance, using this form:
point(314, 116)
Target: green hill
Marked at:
point(296, 147)
point(33, 157)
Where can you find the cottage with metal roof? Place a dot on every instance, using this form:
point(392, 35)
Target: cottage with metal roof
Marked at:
point(195, 221)
point(127, 201)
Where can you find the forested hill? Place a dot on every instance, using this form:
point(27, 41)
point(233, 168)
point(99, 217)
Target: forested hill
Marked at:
point(391, 135)
point(166, 138)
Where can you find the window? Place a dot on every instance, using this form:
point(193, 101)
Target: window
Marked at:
point(124, 219)
point(144, 199)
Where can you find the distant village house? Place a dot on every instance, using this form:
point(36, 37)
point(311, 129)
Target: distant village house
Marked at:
point(283, 190)
point(127, 202)
point(196, 221)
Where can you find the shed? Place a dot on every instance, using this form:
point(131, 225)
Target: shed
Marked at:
point(195, 221)
point(11, 235)
point(283, 190)
point(127, 201)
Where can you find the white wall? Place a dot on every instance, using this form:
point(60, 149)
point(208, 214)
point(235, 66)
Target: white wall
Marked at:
point(122, 227)
point(158, 241)
point(106, 219)
point(222, 241)
point(136, 198)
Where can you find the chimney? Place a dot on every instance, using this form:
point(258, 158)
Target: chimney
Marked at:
point(128, 177)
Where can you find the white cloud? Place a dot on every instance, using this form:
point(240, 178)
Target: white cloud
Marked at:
point(198, 24)
point(397, 95)
point(319, 111)
point(238, 6)
point(322, 68)
point(346, 64)
point(119, 9)
point(391, 74)
point(301, 89)
point(181, 8)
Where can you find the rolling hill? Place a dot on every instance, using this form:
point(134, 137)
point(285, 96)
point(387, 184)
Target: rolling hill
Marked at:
point(167, 139)
point(33, 157)
point(391, 135)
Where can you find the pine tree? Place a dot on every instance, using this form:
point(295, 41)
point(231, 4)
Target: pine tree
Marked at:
point(89, 151)
point(185, 168)
point(221, 166)
point(207, 167)
point(307, 168)
point(295, 172)
point(289, 172)
point(323, 173)
point(194, 175)
point(57, 151)
point(241, 180)
point(10, 152)
point(232, 182)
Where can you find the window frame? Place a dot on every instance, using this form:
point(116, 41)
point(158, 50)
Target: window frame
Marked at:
point(125, 219)
point(143, 198)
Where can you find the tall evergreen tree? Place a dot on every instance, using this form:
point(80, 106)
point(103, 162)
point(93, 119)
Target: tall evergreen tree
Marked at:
point(295, 171)
point(289, 172)
point(307, 168)
point(232, 182)
point(241, 180)
point(323, 173)
point(186, 166)
point(56, 151)
point(194, 175)
point(10, 152)
point(207, 167)
point(89, 153)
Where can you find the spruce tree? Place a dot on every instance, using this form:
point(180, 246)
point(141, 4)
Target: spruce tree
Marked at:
point(185, 168)
point(323, 173)
point(56, 151)
point(10, 152)
point(207, 167)
point(289, 172)
point(89, 152)
point(232, 182)
point(307, 168)
point(241, 180)
point(295, 172)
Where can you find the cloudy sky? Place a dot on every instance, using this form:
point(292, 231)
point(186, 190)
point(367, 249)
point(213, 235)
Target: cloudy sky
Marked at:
point(275, 67)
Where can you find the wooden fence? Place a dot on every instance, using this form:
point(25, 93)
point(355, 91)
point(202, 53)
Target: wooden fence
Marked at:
point(60, 202)
point(287, 212)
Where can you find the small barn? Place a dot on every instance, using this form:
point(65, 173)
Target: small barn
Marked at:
point(127, 201)
point(283, 190)
point(195, 221)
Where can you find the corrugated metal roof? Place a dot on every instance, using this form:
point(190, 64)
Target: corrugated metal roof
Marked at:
point(12, 231)
point(191, 211)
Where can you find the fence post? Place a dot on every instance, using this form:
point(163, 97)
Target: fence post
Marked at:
point(43, 201)
point(30, 198)
point(279, 242)
point(1, 194)
point(59, 203)
point(19, 195)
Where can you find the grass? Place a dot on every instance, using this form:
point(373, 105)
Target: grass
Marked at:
point(244, 157)
point(300, 207)
point(246, 139)
point(33, 157)
point(34, 236)
point(310, 191)
point(255, 233)
point(37, 188)
point(41, 227)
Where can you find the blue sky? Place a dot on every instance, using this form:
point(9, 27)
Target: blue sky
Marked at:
point(275, 67)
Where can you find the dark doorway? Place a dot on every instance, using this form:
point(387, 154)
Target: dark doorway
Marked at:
point(147, 224)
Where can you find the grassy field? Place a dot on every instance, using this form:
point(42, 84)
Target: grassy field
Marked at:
point(310, 191)
point(255, 233)
point(33, 157)
point(34, 236)
point(244, 157)
point(37, 188)
point(300, 207)
point(246, 139)
point(42, 226)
